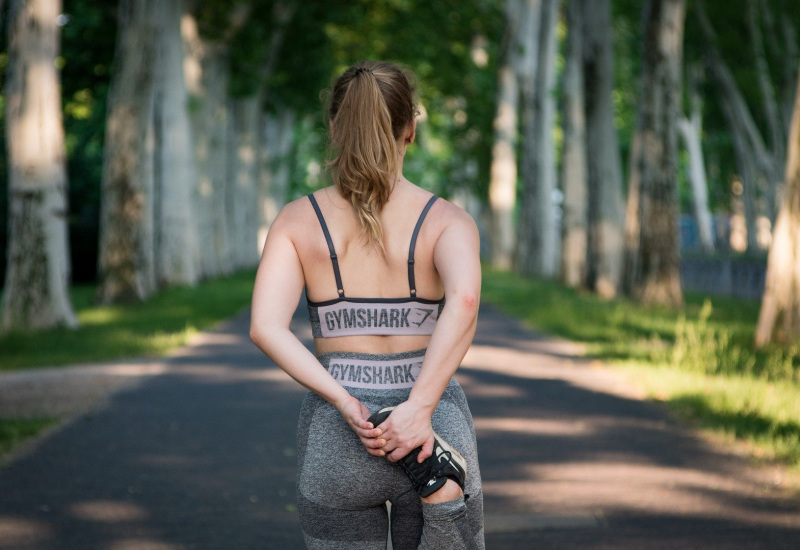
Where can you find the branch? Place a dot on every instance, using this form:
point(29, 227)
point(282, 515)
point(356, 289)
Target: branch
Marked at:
point(284, 13)
point(765, 82)
point(731, 92)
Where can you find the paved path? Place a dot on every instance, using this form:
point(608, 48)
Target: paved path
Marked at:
point(200, 454)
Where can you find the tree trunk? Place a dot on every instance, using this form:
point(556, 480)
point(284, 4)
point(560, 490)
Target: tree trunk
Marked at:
point(36, 293)
point(274, 168)
point(526, 74)
point(206, 71)
point(544, 119)
point(537, 233)
point(790, 63)
point(691, 129)
point(779, 318)
point(243, 184)
point(127, 261)
point(604, 166)
point(782, 43)
point(503, 172)
point(654, 276)
point(177, 257)
point(776, 137)
point(573, 161)
point(758, 166)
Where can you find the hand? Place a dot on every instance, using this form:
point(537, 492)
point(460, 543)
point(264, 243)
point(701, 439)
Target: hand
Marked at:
point(407, 428)
point(356, 414)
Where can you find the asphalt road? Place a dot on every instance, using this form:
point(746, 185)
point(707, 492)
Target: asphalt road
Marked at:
point(201, 456)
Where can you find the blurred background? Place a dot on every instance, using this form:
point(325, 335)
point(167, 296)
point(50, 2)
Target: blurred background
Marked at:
point(172, 132)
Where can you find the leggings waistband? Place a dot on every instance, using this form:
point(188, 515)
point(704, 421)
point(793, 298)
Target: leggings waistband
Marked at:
point(374, 371)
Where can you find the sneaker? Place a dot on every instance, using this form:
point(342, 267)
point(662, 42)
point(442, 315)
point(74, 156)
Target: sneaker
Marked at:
point(430, 475)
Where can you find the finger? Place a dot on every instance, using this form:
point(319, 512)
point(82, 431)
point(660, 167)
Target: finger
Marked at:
point(427, 450)
point(361, 423)
point(394, 455)
point(371, 433)
point(373, 443)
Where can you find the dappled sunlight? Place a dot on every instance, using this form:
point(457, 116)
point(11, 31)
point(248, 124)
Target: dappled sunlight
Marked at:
point(143, 544)
point(214, 372)
point(532, 426)
point(99, 315)
point(19, 533)
point(600, 487)
point(108, 511)
point(552, 361)
point(61, 392)
point(478, 388)
point(212, 339)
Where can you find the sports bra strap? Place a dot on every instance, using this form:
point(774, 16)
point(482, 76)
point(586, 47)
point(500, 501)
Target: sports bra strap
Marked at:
point(334, 259)
point(411, 282)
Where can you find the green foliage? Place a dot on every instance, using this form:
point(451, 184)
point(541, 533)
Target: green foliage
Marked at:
point(455, 91)
point(15, 430)
point(149, 328)
point(703, 347)
point(699, 359)
point(87, 49)
point(759, 413)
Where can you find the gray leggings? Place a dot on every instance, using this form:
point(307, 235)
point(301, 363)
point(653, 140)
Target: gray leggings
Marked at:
point(342, 490)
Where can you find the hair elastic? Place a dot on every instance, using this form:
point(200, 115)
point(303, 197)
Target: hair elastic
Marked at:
point(360, 70)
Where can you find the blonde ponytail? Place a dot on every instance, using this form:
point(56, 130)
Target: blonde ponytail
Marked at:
point(371, 106)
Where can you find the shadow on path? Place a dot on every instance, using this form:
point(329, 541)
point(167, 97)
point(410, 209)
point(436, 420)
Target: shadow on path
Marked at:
point(202, 456)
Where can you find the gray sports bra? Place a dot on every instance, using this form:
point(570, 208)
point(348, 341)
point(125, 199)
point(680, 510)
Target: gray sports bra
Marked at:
point(345, 316)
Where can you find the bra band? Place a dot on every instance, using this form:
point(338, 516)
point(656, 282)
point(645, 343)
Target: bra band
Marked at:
point(334, 259)
point(412, 284)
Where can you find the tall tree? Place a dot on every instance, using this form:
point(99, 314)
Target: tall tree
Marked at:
point(36, 293)
point(779, 318)
point(604, 166)
point(127, 261)
point(207, 68)
point(573, 156)
point(652, 265)
point(263, 36)
point(503, 171)
point(274, 168)
point(691, 130)
point(537, 234)
point(759, 166)
point(176, 246)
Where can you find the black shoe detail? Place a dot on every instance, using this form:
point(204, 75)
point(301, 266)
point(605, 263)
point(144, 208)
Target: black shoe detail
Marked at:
point(430, 475)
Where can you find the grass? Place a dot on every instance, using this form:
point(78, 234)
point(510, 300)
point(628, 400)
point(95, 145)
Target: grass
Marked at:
point(698, 359)
point(15, 430)
point(106, 333)
point(149, 328)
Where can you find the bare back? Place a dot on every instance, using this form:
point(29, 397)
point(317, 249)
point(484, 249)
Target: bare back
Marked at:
point(365, 272)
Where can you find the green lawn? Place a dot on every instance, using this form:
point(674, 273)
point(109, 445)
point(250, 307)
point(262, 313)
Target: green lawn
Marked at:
point(148, 328)
point(698, 359)
point(15, 430)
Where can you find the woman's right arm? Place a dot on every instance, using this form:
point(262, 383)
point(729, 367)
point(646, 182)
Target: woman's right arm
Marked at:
point(277, 291)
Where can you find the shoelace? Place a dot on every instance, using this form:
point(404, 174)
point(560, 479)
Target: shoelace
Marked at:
point(421, 473)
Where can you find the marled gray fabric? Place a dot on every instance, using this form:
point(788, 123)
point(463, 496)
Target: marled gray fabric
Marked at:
point(342, 490)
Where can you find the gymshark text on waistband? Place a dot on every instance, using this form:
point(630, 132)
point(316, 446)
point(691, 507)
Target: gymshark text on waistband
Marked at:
point(359, 373)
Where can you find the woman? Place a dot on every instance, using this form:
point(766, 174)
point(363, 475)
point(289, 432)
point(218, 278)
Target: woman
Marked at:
point(376, 255)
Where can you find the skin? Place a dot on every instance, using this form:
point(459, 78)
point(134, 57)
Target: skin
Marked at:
point(446, 262)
